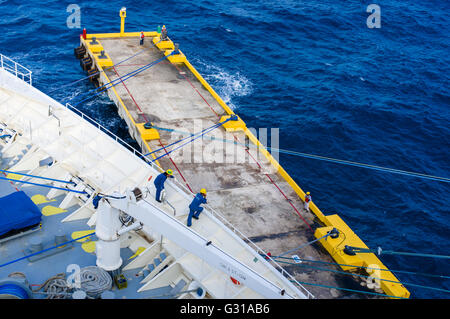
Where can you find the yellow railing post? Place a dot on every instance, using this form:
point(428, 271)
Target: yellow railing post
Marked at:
point(123, 15)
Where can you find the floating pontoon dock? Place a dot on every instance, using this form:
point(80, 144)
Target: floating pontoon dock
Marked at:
point(256, 195)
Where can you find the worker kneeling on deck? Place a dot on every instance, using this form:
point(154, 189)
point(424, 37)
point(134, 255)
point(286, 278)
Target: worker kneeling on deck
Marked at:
point(194, 208)
point(159, 183)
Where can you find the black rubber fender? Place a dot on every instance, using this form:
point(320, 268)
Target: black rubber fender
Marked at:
point(79, 52)
point(94, 73)
point(86, 63)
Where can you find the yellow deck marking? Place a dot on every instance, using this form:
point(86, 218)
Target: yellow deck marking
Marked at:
point(89, 246)
point(41, 199)
point(52, 210)
point(138, 252)
point(14, 176)
point(82, 233)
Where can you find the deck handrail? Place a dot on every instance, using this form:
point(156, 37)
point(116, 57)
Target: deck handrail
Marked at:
point(16, 69)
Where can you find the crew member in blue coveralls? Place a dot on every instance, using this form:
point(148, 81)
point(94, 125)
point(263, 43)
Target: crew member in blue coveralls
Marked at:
point(194, 208)
point(142, 38)
point(159, 183)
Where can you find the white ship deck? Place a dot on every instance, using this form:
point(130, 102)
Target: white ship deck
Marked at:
point(101, 163)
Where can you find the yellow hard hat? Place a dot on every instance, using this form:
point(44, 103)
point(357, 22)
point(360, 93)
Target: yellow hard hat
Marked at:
point(169, 171)
point(307, 193)
point(203, 191)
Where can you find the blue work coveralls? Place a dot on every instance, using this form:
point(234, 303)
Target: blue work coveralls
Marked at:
point(194, 208)
point(159, 184)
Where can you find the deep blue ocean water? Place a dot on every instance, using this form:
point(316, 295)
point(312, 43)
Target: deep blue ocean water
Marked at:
point(315, 70)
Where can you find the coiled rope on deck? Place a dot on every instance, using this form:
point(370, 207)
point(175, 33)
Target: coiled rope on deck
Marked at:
point(94, 281)
point(54, 287)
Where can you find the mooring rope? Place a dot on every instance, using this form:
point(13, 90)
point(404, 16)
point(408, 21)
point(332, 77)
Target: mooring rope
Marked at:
point(380, 251)
point(193, 137)
point(104, 70)
point(37, 176)
point(43, 185)
point(365, 267)
point(364, 276)
point(323, 158)
point(120, 79)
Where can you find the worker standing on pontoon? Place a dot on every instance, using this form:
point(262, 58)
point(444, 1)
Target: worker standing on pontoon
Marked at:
point(163, 36)
point(159, 183)
point(142, 38)
point(307, 201)
point(194, 208)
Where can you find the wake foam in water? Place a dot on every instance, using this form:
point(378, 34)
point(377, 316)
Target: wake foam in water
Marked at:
point(227, 85)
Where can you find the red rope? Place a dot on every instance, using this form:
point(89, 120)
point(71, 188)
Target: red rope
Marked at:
point(273, 182)
point(175, 165)
point(179, 171)
point(196, 90)
point(129, 93)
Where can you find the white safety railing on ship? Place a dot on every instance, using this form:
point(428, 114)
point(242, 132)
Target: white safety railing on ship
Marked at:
point(16, 69)
point(186, 190)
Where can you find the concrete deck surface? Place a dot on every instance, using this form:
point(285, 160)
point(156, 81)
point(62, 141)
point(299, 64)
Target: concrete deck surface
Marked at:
point(241, 190)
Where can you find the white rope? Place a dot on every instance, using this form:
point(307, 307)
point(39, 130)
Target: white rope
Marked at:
point(94, 281)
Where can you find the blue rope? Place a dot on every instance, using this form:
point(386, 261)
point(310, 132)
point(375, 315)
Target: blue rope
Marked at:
point(44, 250)
point(47, 178)
point(363, 276)
point(347, 289)
point(328, 159)
point(374, 167)
point(43, 185)
point(364, 267)
point(170, 130)
point(6, 135)
point(12, 289)
point(193, 139)
point(190, 136)
point(379, 251)
point(304, 245)
point(122, 78)
point(72, 83)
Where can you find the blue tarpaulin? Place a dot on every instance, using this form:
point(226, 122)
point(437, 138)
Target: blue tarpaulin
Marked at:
point(17, 211)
